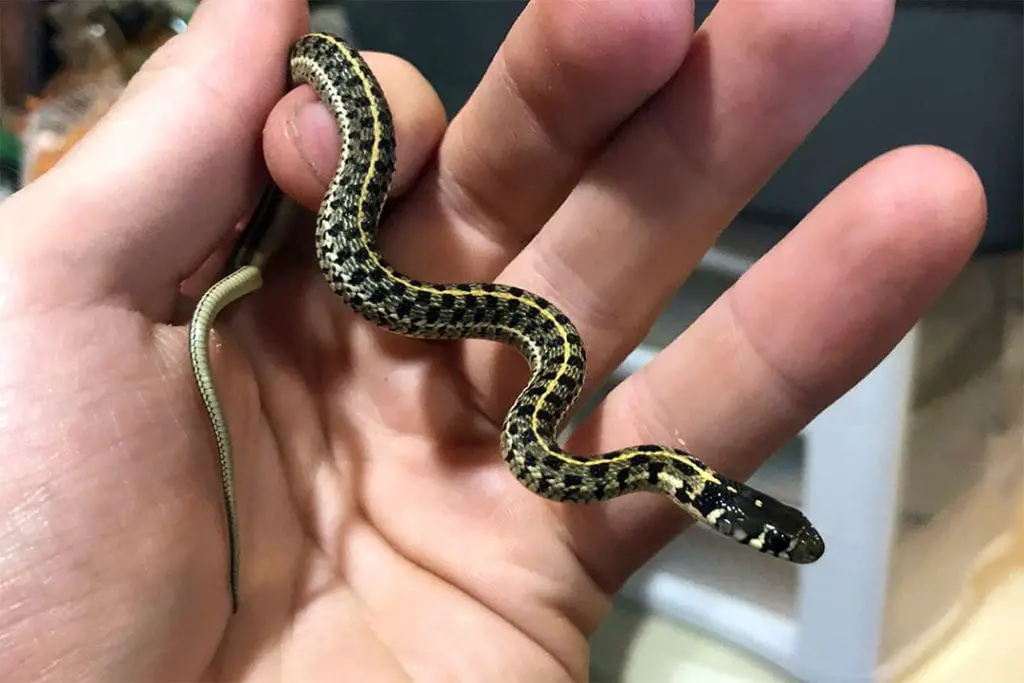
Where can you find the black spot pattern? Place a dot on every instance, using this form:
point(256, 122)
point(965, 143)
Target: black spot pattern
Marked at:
point(346, 249)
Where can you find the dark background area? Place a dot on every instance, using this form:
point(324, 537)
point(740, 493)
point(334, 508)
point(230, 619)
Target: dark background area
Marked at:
point(950, 74)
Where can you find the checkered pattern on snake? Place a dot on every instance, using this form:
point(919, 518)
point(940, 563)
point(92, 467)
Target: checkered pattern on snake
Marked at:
point(346, 243)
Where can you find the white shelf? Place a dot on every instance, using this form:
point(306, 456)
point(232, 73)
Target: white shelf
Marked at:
point(717, 585)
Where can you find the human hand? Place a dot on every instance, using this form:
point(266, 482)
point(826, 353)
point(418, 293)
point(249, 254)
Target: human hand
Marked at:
point(382, 536)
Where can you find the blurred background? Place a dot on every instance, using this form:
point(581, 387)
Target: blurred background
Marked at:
point(915, 477)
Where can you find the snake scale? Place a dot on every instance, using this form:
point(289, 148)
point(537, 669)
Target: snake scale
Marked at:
point(346, 247)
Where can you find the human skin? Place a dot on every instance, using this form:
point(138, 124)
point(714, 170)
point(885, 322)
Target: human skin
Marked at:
point(382, 537)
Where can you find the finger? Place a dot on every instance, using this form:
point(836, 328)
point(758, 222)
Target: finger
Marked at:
point(565, 77)
point(798, 330)
point(757, 79)
point(172, 167)
point(301, 138)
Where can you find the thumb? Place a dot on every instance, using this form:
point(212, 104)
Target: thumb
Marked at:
point(147, 195)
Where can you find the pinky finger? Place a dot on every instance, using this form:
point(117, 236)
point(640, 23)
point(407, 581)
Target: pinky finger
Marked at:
point(797, 331)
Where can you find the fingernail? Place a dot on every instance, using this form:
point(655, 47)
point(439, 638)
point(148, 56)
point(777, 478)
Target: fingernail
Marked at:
point(312, 128)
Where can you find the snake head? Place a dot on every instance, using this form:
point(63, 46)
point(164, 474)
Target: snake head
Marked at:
point(761, 522)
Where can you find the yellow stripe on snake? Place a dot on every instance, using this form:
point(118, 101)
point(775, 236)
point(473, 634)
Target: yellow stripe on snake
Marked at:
point(346, 244)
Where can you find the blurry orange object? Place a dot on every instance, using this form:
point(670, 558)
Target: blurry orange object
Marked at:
point(68, 108)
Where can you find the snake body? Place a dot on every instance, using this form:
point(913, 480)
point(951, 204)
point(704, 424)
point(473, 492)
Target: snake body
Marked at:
point(346, 245)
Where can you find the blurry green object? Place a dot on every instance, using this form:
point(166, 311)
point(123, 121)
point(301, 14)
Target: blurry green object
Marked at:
point(10, 146)
point(10, 163)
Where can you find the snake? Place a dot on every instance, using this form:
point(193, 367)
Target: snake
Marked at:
point(354, 269)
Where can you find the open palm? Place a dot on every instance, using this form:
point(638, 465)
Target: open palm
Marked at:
point(382, 536)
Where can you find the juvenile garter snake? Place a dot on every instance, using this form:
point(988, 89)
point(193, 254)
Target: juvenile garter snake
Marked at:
point(346, 250)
